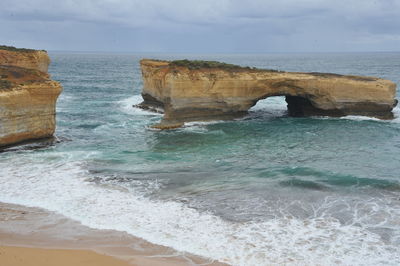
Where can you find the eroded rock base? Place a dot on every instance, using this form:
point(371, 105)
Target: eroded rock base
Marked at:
point(301, 107)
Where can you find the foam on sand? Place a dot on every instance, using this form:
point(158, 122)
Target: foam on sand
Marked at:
point(58, 182)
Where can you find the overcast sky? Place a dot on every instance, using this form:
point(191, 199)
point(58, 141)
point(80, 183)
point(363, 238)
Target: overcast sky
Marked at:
point(202, 26)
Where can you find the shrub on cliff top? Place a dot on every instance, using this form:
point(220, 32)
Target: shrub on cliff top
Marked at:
point(199, 64)
point(14, 49)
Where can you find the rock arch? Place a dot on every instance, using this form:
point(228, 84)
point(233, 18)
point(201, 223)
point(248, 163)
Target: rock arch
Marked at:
point(202, 90)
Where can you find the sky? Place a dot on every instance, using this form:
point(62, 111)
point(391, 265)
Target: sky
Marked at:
point(202, 26)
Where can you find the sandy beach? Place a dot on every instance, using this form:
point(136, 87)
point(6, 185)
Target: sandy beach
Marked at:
point(16, 256)
point(33, 237)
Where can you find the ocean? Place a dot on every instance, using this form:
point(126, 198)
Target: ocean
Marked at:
point(264, 189)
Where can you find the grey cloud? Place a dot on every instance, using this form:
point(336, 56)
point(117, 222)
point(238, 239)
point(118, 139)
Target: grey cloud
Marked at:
point(204, 26)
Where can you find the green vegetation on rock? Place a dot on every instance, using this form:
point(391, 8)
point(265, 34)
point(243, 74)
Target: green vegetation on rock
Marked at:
point(200, 64)
point(14, 49)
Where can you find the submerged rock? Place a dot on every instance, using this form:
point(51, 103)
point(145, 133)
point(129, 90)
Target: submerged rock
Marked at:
point(208, 90)
point(27, 96)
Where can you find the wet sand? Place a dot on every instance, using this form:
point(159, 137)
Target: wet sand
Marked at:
point(18, 256)
point(44, 238)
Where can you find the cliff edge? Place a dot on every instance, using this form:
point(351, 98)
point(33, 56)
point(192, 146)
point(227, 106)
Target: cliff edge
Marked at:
point(27, 96)
point(26, 58)
point(208, 90)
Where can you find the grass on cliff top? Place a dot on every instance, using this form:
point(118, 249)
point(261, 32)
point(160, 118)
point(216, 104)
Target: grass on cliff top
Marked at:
point(14, 49)
point(200, 64)
point(197, 64)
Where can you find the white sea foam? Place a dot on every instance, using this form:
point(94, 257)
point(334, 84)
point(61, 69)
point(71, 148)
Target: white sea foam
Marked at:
point(271, 104)
point(203, 123)
point(361, 118)
point(127, 106)
point(396, 119)
point(200, 126)
point(56, 181)
point(396, 112)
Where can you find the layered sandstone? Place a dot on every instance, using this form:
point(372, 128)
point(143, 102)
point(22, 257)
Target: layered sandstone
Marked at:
point(199, 90)
point(26, 58)
point(27, 96)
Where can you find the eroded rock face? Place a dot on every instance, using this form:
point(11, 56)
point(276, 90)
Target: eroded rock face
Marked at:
point(26, 58)
point(27, 96)
point(200, 91)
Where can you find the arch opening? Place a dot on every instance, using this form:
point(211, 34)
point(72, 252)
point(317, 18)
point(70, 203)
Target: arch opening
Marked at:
point(299, 106)
point(294, 106)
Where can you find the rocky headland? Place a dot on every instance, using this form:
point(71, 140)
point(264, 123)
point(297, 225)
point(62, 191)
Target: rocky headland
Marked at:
point(27, 96)
point(208, 90)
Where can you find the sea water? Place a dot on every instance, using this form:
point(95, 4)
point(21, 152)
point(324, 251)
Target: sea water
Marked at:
point(264, 189)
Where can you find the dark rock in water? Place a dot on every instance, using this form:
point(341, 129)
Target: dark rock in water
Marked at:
point(151, 104)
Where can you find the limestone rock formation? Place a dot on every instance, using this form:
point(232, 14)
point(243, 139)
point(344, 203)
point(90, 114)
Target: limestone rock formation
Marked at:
point(204, 90)
point(27, 96)
point(26, 58)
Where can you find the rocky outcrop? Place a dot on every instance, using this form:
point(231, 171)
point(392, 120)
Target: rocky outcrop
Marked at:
point(26, 58)
point(201, 90)
point(27, 96)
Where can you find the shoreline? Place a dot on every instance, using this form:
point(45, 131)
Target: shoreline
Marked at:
point(36, 233)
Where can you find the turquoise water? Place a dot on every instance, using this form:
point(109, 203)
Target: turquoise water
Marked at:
point(264, 189)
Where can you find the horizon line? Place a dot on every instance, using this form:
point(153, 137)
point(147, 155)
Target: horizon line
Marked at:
point(216, 53)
